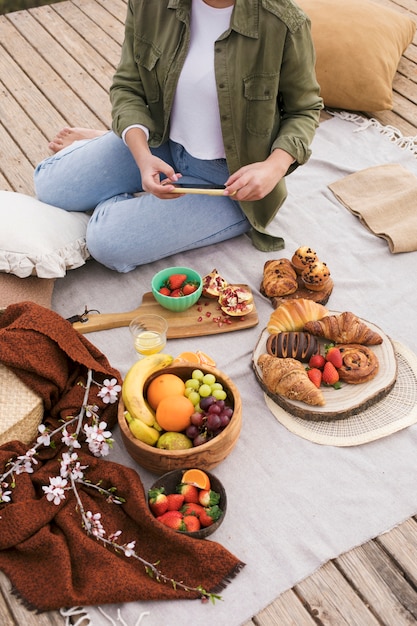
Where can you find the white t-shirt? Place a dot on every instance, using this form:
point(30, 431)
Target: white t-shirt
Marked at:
point(195, 119)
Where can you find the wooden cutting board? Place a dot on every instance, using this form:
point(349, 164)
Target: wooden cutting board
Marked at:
point(203, 318)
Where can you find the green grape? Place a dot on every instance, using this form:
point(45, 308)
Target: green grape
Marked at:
point(204, 391)
point(209, 379)
point(192, 383)
point(188, 391)
point(194, 397)
point(216, 386)
point(219, 394)
point(197, 375)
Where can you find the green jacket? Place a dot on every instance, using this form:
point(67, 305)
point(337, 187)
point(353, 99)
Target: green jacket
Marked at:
point(267, 90)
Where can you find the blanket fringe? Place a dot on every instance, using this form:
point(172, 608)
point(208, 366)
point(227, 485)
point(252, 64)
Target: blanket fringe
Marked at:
point(75, 611)
point(82, 612)
point(221, 586)
point(392, 133)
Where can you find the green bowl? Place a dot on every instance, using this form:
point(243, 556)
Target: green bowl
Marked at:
point(182, 303)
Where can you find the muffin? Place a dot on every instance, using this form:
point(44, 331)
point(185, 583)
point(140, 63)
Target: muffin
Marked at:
point(316, 276)
point(302, 258)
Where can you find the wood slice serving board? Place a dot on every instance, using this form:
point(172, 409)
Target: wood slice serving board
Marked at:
point(203, 318)
point(349, 399)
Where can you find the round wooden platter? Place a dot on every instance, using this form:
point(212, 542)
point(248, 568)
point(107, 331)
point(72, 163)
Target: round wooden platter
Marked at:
point(349, 399)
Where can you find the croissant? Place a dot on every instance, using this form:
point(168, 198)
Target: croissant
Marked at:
point(297, 345)
point(294, 314)
point(343, 328)
point(288, 378)
point(279, 278)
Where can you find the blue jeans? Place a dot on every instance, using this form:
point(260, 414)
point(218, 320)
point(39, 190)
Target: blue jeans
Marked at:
point(100, 175)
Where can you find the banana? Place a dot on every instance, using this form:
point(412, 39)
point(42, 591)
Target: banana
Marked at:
point(141, 431)
point(132, 388)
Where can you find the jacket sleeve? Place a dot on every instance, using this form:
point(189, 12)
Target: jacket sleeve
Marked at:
point(127, 95)
point(300, 95)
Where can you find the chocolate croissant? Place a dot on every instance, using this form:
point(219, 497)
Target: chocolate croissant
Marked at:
point(294, 314)
point(279, 278)
point(343, 328)
point(289, 378)
point(296, 345)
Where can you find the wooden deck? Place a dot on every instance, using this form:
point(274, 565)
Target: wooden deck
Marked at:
point(56, 64)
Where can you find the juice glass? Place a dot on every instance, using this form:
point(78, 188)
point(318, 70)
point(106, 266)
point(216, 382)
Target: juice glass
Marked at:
point(149, 334)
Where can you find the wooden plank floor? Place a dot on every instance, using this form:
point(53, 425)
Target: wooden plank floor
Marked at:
point(56, 65)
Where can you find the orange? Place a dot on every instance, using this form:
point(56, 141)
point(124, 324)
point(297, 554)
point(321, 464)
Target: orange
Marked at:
point(189, 357)
point(205, 359)
point(196, 477)
point(173, 413)
point(198, 357)
point(163, 386)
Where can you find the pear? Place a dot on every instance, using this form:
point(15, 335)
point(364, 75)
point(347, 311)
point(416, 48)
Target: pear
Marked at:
point(174, 441)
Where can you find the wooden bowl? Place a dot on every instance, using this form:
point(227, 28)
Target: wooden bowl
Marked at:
point(208, 455)
point(170, 480)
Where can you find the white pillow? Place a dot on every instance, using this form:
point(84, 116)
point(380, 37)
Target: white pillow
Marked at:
point(37, 239)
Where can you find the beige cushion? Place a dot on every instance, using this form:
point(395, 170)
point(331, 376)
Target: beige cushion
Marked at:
point(21, 409)
point(358, 45)
point(37, 239)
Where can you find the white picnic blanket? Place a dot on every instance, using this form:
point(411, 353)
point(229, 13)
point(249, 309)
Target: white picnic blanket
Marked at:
point(292, 504)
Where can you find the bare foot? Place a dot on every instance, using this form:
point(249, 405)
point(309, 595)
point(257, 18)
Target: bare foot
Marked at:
point(67, 136)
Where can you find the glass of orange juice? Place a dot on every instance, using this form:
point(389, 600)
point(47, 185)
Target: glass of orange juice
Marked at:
point(149, 334)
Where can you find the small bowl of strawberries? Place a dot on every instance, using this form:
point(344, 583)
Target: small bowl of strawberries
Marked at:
point(192, 502)
point(177, 288)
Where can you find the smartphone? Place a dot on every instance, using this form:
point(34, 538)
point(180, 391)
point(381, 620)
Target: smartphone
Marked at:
point(199, 188)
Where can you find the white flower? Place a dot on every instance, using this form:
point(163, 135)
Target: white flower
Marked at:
point(94, 525)
point(98, 438)
point(91, 410)
point(55, 491)
point(129, 548)
point(114, 536)
point(99, 448)
point(69, 440)
point(5, 495)
point(71, 465)
point(109, 391)
point(24, 463)
point(44, 437)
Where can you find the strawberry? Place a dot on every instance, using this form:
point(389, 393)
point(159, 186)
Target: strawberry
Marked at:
point(191, 508)
point(207, 497)
point(189, 288)
point(158, 501)
point(315, 375)
point(165, 291)
point(317, 361)
point(334, 355)
point(210, 515)
point(190, 492)
point(176, 293)
point(331, 375)
point(172, 519)
point(175, 281)
point(191, 523)
point(175, 501)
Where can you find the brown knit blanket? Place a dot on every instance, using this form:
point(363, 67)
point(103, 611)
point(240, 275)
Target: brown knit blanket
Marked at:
point(50, 559)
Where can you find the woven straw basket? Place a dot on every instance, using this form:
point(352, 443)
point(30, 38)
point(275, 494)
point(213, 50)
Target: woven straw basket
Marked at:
point(21, 410)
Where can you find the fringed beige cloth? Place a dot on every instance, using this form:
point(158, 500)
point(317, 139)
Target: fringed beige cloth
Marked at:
point(384, 198)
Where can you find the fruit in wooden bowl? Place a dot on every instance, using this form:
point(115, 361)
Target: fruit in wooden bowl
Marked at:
point(203, 453)
point(177, 288)
point(195, 505)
